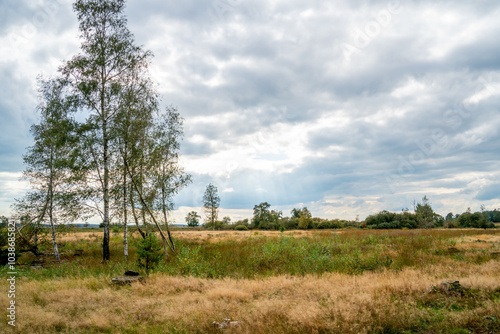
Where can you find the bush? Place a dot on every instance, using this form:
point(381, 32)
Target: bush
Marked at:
point(391, 220)
point(290, 223)
point(474, 220)
point(241, 228)
point(451, 224)
point(149, 252)
point(324, 225)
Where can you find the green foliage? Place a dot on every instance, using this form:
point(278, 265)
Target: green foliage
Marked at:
point(492, 216)
point(474, 220)
point(4, 241)
point(290, 223)
point(350, 252)
point(149, 252)
point(425, 214)
point(264, 218)
point(243, 222)
point(324, 225)
point(211, 203)
point(391, 220)
point(305, 220)
point(295, 213)
point(192, 219)
point(241, 228)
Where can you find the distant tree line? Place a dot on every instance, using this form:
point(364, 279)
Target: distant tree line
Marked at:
point(264, 218)
point(425, 217)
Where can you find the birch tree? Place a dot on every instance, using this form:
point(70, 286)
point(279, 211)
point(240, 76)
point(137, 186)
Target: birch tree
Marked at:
point(49, 167)
point(158, 176)
point(98, 77)
point(130, 128)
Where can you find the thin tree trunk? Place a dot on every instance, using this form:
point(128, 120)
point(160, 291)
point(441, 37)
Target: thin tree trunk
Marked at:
point(105, 242)
point(51, 206)
point(136, 220)
point(213, 218)
point(143, 210)
point(35, 238)
point(33, 249)
point(125, 240)
point(149, 211)
point(164, 207)
point(165, 249)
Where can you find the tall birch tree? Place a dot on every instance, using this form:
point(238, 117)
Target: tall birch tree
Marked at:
point(98, 76)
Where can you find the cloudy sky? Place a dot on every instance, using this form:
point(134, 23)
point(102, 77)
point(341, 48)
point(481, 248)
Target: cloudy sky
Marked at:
point(346, 107)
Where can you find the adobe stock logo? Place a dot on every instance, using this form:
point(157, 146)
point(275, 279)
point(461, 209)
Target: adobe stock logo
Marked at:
point(362, 37)
point(222, 9)
point(45, 13)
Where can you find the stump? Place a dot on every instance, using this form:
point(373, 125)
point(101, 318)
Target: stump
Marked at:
point(226, 324)
point(37, 264)
point(448, 288)
point(131, 273)
point(78, 252)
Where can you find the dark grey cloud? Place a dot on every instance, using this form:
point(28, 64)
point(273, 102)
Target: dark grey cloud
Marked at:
point(15, 119)
point(489, 192)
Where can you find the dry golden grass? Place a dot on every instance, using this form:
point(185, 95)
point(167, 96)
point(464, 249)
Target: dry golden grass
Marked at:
point(203, 236)
point(217, 236)
point(329, 303)
point(72, 237)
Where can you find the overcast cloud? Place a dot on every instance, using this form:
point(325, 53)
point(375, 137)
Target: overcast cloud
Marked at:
point(347, 107)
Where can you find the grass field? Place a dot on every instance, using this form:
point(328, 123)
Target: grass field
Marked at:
point(334, 281)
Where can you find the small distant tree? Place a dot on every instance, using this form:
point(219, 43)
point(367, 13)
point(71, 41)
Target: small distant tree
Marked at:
point(425, 214)
point(261, 214)
point(266, 219)
point(149, 252)
point(305, 219)
point(192, 219)
point(211, 202)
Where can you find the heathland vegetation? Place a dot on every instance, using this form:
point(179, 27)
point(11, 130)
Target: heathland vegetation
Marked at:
point(302, 281)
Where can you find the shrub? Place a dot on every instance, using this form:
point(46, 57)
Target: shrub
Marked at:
point(241, 228)
point(290, 223)
point(391, 220)
point(324, 225)
point(149, 252)
point(474, 220)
